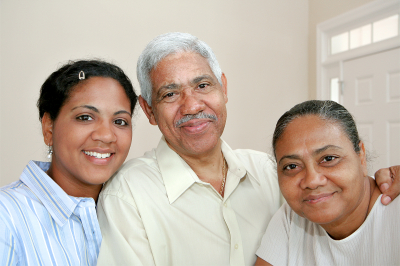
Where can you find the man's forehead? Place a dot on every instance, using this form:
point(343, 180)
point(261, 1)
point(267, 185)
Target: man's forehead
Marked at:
point(180, 68)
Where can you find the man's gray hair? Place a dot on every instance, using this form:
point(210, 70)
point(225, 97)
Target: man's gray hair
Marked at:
point(164, 45)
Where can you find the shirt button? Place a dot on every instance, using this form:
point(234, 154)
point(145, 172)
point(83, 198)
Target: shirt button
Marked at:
point(225, 204)
point(236, 246)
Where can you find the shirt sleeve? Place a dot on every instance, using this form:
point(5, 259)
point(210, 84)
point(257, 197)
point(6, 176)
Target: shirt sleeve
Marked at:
point(8, 254)
point(124, 237)
point(274, 247)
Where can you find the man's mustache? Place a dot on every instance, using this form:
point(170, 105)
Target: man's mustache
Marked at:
point(200, 115)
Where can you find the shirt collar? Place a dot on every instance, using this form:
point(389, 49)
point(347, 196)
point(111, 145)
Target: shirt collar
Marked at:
point(58, 203)
point(178, 176)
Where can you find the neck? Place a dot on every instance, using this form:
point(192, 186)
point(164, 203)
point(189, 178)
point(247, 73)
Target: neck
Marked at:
point(81, 190)
point(208, 166)
point(348, 225)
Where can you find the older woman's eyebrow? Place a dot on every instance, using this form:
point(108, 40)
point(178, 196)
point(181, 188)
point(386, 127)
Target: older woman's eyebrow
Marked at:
point(320, 150)
point(292, 156)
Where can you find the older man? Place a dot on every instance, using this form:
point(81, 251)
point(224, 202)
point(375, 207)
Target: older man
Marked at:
point(193, 200)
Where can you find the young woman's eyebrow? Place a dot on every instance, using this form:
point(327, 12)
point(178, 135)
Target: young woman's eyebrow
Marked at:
point(88, 107)
point(122, 112)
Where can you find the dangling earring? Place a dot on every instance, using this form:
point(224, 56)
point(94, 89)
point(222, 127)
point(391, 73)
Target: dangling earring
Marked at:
point(49, 152)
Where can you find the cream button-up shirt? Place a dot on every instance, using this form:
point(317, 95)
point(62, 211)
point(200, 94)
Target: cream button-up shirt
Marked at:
point(156, 211)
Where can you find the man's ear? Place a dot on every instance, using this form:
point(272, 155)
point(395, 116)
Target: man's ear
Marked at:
point(47, 129)
point(224, 87)
point(363, 158)
point(148, 110)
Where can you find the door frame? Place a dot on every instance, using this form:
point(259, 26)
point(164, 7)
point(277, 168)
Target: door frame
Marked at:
point(330, 66)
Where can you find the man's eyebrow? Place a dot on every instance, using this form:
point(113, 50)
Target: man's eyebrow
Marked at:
point(200, 78)
point(88, 107)
point(167, 87)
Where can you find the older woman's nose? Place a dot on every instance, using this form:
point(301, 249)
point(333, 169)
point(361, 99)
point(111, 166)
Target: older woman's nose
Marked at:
point(312, 179)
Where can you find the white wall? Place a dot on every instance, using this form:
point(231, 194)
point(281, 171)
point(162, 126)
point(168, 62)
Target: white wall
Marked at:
point(261, 47)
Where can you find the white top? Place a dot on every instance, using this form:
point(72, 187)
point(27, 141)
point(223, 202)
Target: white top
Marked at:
point(294, 240)
point(156, 211)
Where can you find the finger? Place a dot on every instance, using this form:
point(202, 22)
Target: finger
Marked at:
point(382, 177)
point(393, 191)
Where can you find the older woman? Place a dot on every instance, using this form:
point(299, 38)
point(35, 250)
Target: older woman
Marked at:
point(333, 214)
point(48, 217)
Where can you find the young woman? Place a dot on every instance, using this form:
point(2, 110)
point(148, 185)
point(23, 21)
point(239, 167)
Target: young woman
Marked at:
point(48, 217)
point(333, 214)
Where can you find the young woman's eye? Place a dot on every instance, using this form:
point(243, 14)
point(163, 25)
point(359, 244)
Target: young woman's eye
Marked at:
point(121, 122)
point(84, 118)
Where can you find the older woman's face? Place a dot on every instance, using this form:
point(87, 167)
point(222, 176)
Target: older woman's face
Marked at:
point(320, 174)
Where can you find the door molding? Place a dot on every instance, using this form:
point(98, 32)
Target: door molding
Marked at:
point(329, 66)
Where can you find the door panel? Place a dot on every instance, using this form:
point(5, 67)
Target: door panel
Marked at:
point(372, 95)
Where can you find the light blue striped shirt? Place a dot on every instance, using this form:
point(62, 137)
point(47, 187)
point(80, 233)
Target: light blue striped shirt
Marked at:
point(41, 225)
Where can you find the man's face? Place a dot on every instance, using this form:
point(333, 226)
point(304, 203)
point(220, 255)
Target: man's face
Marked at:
point(188, 103)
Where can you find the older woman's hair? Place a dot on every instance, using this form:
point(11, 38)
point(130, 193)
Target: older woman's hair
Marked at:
point(57, 88)
point(328, 110)
point(164, 45)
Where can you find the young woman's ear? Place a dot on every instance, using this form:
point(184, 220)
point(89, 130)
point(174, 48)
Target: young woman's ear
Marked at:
point(47, 129)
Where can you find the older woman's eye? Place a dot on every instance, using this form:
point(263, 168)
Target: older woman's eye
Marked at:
point(329, 158)
point(84, 118)
point(289, 167)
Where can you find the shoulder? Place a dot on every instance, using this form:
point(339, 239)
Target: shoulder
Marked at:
point(133, 172)
point(11, 194)
point(256, 159)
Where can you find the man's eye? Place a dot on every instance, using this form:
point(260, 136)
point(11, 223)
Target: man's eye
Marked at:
point(84, 117)
point(169, 95)
point(203, 85)
point(121, 122)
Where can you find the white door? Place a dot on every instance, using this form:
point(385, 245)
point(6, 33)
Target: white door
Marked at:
point(372, 94)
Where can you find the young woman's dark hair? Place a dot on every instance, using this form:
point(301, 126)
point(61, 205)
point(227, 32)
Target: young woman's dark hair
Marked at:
point(57, 88)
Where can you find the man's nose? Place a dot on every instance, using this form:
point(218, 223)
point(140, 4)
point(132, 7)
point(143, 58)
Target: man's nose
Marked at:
point(104, 132)
point(191, 103)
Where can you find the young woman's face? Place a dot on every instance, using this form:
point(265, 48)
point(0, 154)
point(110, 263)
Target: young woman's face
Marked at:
point(92, 135)
point(320, 174)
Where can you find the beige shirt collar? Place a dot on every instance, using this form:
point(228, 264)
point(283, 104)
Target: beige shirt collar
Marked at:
point(178, 176)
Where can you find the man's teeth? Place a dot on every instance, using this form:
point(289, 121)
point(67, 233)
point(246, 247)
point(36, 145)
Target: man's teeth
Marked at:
point(97, 155)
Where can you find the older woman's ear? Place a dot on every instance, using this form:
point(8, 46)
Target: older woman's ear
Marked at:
point(363, 158)
point(388, 180)
point(47, 129)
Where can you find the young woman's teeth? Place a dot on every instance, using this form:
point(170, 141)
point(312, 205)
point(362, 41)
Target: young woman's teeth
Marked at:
point(97, 155)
